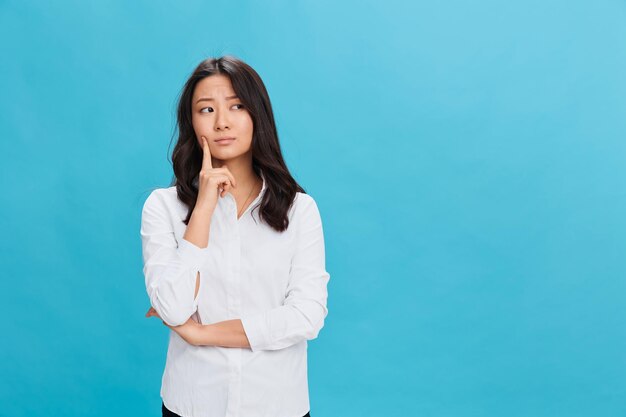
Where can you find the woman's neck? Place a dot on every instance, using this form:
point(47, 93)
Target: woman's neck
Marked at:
point(241, 168)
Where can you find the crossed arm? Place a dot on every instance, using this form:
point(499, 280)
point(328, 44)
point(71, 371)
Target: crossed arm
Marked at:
point(229, 333)
point(168, 266)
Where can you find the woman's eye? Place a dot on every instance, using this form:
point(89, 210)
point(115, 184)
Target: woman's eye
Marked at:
point(211, 108)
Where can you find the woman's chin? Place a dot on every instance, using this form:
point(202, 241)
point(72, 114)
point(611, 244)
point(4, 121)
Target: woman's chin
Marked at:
point(225, 155)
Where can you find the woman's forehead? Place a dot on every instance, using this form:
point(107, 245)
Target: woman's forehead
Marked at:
point(217, 84)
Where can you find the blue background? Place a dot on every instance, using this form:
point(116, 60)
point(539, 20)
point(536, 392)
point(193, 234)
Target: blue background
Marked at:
point(467, 158)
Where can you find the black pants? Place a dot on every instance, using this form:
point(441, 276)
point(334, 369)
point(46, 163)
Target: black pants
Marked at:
point(168, 413)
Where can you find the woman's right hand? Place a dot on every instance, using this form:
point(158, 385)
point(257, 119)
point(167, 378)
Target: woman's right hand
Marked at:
point(212, 182)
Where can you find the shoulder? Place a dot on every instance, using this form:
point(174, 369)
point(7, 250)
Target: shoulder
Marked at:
point(161, 199)
point(303, 200)
point(305, 208)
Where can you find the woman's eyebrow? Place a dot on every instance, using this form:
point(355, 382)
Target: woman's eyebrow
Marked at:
point(212, 99)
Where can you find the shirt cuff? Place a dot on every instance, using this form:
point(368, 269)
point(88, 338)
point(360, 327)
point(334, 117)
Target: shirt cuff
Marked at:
point(192, 255)
point(254, 327)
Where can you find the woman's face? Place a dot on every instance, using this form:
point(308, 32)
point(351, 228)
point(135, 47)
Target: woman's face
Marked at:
point(217, 113)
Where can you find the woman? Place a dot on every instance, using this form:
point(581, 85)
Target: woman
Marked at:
point(233, 255)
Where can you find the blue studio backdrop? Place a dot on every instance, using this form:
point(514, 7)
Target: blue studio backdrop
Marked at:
point(468, 159)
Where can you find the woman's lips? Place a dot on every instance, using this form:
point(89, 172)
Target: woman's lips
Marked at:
point(225, 141)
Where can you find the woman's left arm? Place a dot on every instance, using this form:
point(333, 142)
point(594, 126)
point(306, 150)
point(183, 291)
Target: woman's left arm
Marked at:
point(228, 333)
point(300, 317)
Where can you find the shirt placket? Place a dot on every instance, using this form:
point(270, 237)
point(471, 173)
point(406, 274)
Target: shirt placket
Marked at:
point(234, 308)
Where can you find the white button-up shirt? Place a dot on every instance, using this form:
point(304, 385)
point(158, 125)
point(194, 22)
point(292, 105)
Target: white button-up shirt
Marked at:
point(276, 283)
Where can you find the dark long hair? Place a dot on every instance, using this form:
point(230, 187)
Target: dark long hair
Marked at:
point(267, 158)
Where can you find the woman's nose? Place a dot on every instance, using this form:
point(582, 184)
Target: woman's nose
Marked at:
point(221, 121)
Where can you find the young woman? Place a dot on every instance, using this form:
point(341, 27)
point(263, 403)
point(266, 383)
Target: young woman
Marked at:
point(233, 255)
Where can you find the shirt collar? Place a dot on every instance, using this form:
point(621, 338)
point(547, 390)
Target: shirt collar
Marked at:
point(262, 186)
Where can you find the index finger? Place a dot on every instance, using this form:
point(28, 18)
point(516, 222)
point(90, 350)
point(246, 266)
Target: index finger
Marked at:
point(206, 158)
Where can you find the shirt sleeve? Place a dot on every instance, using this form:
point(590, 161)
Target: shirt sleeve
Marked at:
point(301, 317)
point(170, 267)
